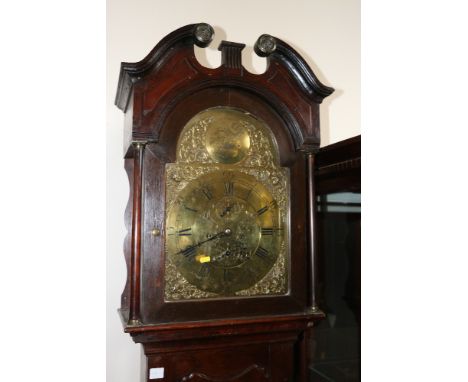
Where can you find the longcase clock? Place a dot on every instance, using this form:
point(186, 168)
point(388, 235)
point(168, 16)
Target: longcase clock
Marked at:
point(220, 248)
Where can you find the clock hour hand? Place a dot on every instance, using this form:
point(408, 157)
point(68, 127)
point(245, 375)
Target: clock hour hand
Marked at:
point(219, 234)
point(225, 232)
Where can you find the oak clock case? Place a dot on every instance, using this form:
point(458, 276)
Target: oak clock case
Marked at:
point(220, 249)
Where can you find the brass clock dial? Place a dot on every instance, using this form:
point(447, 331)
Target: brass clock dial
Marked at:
point(227, 200)
point(228, 141)
point(224, 232)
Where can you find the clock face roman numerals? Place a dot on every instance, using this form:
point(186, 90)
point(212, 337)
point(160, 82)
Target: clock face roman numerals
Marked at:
point(271, 204)
point(229, 188)
point(190, 209)
point(227, 275)
point(261, 252)
point(223, 234)
point(204, 271)
point(189, 251)
point(185, 232)
point(207, 192)
point(262, 210)
point(269, 231)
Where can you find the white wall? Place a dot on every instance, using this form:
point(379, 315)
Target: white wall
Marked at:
point(325, 32)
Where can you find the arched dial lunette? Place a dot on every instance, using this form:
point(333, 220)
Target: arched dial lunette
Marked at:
point(224, 232)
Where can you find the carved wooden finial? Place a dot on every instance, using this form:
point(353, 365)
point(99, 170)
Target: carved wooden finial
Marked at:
point(265, 45)
point(203, 34)
point(231, 54)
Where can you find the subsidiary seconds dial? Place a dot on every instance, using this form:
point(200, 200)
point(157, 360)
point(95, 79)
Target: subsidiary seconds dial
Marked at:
point(224, 232)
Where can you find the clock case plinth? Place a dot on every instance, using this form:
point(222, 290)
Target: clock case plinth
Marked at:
point(199, 338)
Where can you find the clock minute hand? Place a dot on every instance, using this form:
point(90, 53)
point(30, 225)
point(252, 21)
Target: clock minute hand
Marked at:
point(225, 232)
point(219, 234)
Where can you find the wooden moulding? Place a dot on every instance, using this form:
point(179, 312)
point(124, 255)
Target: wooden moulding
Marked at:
point(338, 167)
point(171, 72)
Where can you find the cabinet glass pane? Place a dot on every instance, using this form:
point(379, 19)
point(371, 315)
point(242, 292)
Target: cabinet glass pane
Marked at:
point(336, 339)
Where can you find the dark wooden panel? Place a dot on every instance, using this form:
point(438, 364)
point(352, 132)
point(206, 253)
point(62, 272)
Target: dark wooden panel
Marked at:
point(233, 363)
point(341, 151)
point(125, 298)
point(338, 167)
point(267, 360)
point(270, 349)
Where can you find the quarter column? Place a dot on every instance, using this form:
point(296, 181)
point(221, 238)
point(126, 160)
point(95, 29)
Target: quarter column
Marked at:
point(135, 259)
point(310, 157)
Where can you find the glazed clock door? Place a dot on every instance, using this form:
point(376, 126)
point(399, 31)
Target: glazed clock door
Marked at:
point(227, 201)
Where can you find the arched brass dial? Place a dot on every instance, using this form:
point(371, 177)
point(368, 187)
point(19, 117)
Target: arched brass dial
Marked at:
point(227, 139)
point(224, 231)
